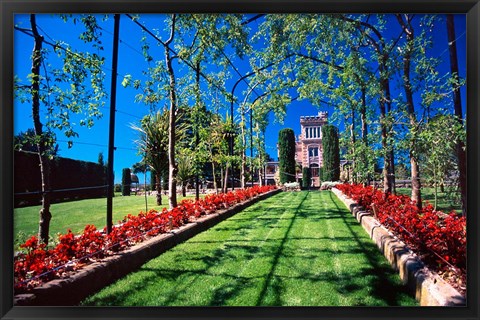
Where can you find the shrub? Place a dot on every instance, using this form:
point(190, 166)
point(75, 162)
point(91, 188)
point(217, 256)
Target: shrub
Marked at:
point(126, 181)
point(306, 177)
point(331, 153)
point(286, 155)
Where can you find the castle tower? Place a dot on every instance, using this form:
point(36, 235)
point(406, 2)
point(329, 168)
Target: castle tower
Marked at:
point(309, 144)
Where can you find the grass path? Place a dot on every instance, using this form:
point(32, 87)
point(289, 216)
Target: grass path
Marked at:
point(293, 249)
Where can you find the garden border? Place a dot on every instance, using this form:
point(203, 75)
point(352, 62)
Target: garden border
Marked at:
point(429, 288)
point(71, 291)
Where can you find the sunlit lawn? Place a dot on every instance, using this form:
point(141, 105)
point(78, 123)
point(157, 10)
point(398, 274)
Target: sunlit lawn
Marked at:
point(293, 249)
point(446, 201)
point(77, 214)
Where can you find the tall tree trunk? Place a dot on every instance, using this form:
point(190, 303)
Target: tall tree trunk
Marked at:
point(158, 186)
point(414, 167)
point(352, 140)
point(221, 179)
point(364, 128)
point(172, 170)
point(184, 190)
point(386, 154)
point(391, 159)
point(244, 158)
point(45, 214)
point(214, 177)
point(196, 126)
point(363, 116)
point(460, 147)
point(225, 183)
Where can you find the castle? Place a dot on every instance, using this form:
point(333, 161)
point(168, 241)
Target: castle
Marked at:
point(309, 144)
point(308, 147)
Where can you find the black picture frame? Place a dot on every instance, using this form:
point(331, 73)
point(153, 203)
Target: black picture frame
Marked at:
point(9, 7)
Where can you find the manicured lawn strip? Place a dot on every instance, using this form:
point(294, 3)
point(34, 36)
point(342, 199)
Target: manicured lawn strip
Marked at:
point(77, 214)
point(295, 248)
point(445, 200)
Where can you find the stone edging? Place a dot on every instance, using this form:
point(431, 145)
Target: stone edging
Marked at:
point(90, 279)
point(429, 288)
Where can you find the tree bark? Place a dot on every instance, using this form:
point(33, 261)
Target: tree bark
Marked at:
point(414, 167)
point(460, 147)
point(172, 170)
point(225, 183)
point(45, 214)
point(158, 186)
point(391, 159)
point(363, 116)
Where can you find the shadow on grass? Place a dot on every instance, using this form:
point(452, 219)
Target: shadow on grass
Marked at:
point(382, 285)
point(192, 266)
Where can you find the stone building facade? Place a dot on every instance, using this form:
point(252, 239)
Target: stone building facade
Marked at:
point(309, 144)
point(308, 147)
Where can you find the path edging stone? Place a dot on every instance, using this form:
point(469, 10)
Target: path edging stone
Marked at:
point(91, 278)
point(429, 288)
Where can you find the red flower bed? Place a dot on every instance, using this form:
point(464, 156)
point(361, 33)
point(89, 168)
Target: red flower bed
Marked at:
point(37, 264)
point(441, 238)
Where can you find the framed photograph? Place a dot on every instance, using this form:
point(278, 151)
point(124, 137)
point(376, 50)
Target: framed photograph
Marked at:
point(241, 159)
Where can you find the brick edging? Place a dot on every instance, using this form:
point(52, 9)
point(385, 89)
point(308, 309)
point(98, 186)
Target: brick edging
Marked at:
point(429, 288)
point(90, 279)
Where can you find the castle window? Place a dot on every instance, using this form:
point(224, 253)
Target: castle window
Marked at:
point(313, 152)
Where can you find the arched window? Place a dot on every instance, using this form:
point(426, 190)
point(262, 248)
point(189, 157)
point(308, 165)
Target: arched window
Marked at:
point(313, 152)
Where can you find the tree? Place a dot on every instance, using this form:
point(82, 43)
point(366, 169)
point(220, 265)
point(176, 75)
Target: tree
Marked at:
point(153, 144)
point(406, 24)
point(186, 169)
point(192, 39)
point(460, 148)
point(126, 181)
point(286, 157)
point(76, 87)
point(213, 141)
point(331, 153)
point(100, 160)
point(28, 141)
point(306, 177)
point(437, 147)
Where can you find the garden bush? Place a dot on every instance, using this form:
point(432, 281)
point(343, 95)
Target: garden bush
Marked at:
point(442, 238)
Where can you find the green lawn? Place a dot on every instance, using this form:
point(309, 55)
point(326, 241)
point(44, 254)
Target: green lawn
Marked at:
point(77, 214)
point(446, 201)
point(293, 249)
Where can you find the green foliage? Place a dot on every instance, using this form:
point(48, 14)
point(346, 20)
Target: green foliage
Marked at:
point(331, 153)
point(286, 158)
point(306, 177)
point(153, 141)
point(126, 181)
point(185, 166)
point(437, 143)
point(153, 180)
point(28, 141)
point(100, 160)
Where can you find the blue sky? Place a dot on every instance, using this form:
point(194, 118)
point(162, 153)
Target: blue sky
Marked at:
point(95, 140)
